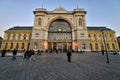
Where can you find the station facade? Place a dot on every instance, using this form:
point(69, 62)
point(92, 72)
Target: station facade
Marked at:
point(60, 29)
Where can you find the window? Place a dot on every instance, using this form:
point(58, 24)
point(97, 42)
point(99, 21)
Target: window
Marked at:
point(19, 35)
point(110, 37)
point(91, 46)
point(60, 30)
point(113, 46)
point(96, 47)
point(11, 46)
point(28, 45)
point(29, 36)
point(14, 36)
point(17, 45)
point(100, 38)
point(24, 37)
point(82, 34)
point(89, 36)
point(105, 37)
point(95, 37)
point(6, 45)
point(8, 36)
point(23, 45)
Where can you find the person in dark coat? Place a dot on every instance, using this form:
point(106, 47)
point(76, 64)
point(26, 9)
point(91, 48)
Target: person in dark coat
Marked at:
point(69, 54)
point(3, 53)
point(14, 54)
point(102, 52)
point(39, 52)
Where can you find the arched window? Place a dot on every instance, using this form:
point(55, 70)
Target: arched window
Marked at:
point(100, 38)
point(108, 47)
point(105, 37)
point(60, 30)
point(19, 35)
point(6, 45)
point(11, 46)
point(113, 46)
point(110, 37)
point(29, 36)
point(24, 37)
point(89, 36)
point(96, 47)
point(14, 36)
point(23, 45)
point(8, 36)
point(95, 37)
point(28, 45)
point(17, 45)
point(91, 47)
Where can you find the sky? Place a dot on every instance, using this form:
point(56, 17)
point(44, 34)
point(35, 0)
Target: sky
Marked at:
point(99, 12)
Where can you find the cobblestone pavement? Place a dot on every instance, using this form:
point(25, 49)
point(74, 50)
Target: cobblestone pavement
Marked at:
point(86, 66)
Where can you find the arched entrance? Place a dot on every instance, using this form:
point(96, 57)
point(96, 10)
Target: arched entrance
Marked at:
point(59, 35)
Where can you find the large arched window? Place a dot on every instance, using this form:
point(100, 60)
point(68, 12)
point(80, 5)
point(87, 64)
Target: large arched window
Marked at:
point(59, 30)
point(17, 45)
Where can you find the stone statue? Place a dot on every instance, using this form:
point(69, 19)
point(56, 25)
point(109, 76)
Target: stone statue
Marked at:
point(39, 21)
point(80, 21)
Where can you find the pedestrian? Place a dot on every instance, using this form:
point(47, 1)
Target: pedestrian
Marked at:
point(26, 53)
point(39, 52)
point(32, 56)
point(14, 54)
point(69, 54)
point(102, 52)
point(3, 53)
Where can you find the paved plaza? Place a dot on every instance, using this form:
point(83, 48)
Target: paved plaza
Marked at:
point(85, 66)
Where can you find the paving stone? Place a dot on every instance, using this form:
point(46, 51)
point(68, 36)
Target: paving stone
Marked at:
point(49, 66)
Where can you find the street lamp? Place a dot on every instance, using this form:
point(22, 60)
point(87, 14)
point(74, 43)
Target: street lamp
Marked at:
point(105, 46)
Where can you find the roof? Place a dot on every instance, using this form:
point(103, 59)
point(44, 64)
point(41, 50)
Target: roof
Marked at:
point(102, 28)
point(21, 28)
point(88, 27)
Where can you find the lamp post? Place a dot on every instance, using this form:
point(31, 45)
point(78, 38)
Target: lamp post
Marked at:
point(105, 46)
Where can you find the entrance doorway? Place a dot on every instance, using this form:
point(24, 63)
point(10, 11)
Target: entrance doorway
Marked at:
point(61, 46)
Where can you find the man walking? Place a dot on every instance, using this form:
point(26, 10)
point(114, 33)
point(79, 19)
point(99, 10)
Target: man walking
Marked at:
point(14, 54)
point(69, 54)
